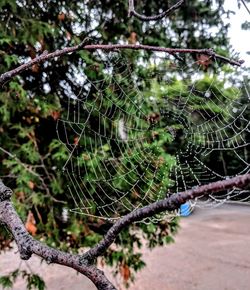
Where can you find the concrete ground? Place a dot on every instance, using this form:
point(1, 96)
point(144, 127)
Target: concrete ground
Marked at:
point(211, 252)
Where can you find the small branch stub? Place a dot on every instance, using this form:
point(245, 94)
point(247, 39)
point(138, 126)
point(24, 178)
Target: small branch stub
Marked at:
point(5, 192)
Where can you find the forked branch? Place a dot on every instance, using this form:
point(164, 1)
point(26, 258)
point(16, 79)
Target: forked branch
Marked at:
point(27, 245)
point(132, 12)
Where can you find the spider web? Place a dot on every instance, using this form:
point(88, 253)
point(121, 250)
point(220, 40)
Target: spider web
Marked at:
point(134, 139)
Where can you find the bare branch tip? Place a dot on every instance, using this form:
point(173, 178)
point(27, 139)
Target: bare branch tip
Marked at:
point(131, 11)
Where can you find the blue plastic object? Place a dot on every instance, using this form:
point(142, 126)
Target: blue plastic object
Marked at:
point(185, 209)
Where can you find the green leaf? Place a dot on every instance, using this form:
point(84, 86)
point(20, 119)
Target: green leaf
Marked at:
point(6, 282)
point(35, 282)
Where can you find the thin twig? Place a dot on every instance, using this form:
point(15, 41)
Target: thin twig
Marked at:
point(131, 11)
point(30, 169)
point(26, 166)
point(110, 47)
point(243, 2)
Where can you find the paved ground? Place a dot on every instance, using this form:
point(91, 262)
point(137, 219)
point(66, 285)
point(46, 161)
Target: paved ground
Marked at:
point(212, 252)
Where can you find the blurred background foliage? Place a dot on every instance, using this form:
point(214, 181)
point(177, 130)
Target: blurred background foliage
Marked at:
point(31, 104)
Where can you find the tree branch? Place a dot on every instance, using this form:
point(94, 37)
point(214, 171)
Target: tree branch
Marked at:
point(27, 245)
point(168, 204)
point(109, 47)
point(245, 5)
point(131, 11)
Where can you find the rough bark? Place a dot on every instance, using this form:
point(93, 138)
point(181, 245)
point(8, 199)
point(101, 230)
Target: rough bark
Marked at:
point(27, 245)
